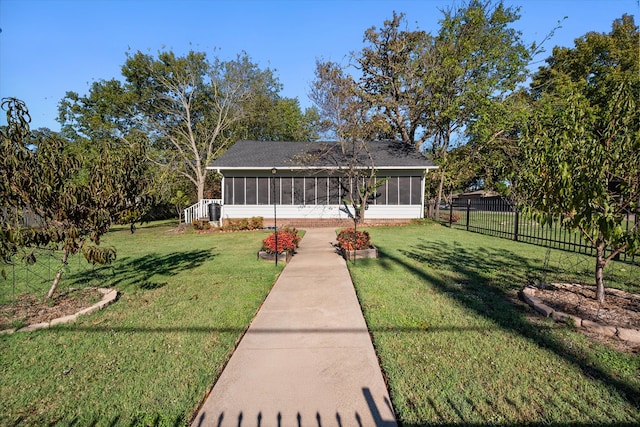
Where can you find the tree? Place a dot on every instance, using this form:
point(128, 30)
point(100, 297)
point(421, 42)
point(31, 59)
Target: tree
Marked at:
point(180, 201)
point(394, 65)
point(190, 108)
point(432, 87)
point(493, 148)
point(74, 198)
point(480, 60)
point(346, 117)
point(581, 146)
point(279, 119)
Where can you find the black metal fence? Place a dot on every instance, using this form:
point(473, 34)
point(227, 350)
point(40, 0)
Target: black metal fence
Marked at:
point(496, 216)
point(36, 276)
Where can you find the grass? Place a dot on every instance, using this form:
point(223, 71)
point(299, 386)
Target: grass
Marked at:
point(150, 358)
point(439, 303)
point(552, 234)
point(457, 348)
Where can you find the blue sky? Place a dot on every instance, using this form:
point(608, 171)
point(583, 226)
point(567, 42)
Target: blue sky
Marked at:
point(49, 47)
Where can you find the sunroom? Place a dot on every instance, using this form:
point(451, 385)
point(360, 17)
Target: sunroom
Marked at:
point(308, 182)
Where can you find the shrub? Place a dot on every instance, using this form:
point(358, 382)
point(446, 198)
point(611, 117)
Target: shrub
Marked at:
point(241, 224)
point(287, 241)
point(291, 230)
point(350, 240)
point(256, 223)
point(201, 224)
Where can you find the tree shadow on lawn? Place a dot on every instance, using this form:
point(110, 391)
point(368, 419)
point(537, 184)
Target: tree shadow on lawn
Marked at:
point(139, 271)
point(485, 277)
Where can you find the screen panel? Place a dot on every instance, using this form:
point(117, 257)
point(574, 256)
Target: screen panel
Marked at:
point(264, 191)
point(392, 190)
point(322, 192)
point(287, 190)
point(298, 191)
point(238, 191)
point(251, 191)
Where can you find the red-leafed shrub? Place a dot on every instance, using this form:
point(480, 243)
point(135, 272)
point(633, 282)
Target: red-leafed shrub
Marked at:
point(291, 230)
point(350, 240)
point(288, 240)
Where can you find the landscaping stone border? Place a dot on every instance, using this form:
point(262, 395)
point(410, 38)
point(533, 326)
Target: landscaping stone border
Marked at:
point(624, 334)
point(108, 297)
point(359, 254)
point(282, 256)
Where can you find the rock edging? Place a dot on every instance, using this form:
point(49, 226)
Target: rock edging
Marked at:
point(624, 334)
point(109, 296)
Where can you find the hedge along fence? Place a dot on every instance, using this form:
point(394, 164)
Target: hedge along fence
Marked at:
point(496, 216)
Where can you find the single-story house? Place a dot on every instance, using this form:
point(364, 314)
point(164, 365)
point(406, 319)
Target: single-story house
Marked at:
point(305, 182)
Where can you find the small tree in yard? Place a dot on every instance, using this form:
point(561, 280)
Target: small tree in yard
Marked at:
point(346, 117)
point(581, 146)
point(74, 198)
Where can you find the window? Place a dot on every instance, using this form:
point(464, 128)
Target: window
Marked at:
point(334, 191)
point(310, 191)
point(287, 190)
point(277, 188)
point(322, 190)
point(381, 194)
point(392, 190)
point(302, 191)
point(298, 191)
point(251, 193)
point(228, 191)
point(416, 190)
point(404, 189)
point(264, 191)
point(238, 191)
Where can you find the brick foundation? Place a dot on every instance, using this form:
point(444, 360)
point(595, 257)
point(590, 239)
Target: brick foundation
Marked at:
point(329, 222)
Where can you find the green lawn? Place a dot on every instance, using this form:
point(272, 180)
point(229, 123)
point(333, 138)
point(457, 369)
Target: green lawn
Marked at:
point(502, 224)
point(454, 348)
point(456, 351)
point(150, 358)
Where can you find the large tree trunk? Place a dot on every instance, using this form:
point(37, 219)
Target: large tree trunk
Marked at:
point(202, 178)
point(600, 264)
point(56, 280)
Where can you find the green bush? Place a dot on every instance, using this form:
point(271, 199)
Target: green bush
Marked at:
point(242, 224)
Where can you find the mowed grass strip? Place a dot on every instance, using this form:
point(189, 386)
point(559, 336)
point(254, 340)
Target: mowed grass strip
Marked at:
point(149, 358)
point(458, 350)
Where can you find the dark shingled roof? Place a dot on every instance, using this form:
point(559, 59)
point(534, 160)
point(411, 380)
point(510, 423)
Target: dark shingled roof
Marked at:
point(303, 155)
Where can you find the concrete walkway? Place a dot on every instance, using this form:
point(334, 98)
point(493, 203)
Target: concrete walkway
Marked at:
point(307, 358)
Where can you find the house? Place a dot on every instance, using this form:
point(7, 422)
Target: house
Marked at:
point(482, 200)
point(475, 195)
point(304, 183)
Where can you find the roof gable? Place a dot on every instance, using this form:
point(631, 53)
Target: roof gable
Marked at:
point(318, 155)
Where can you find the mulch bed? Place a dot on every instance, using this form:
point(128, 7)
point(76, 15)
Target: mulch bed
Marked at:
point(621, 309)
point(27, 309)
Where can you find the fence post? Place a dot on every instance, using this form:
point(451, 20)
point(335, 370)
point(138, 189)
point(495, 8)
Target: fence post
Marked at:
point(468, 209)
point(516, 225)
point(451, 214)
